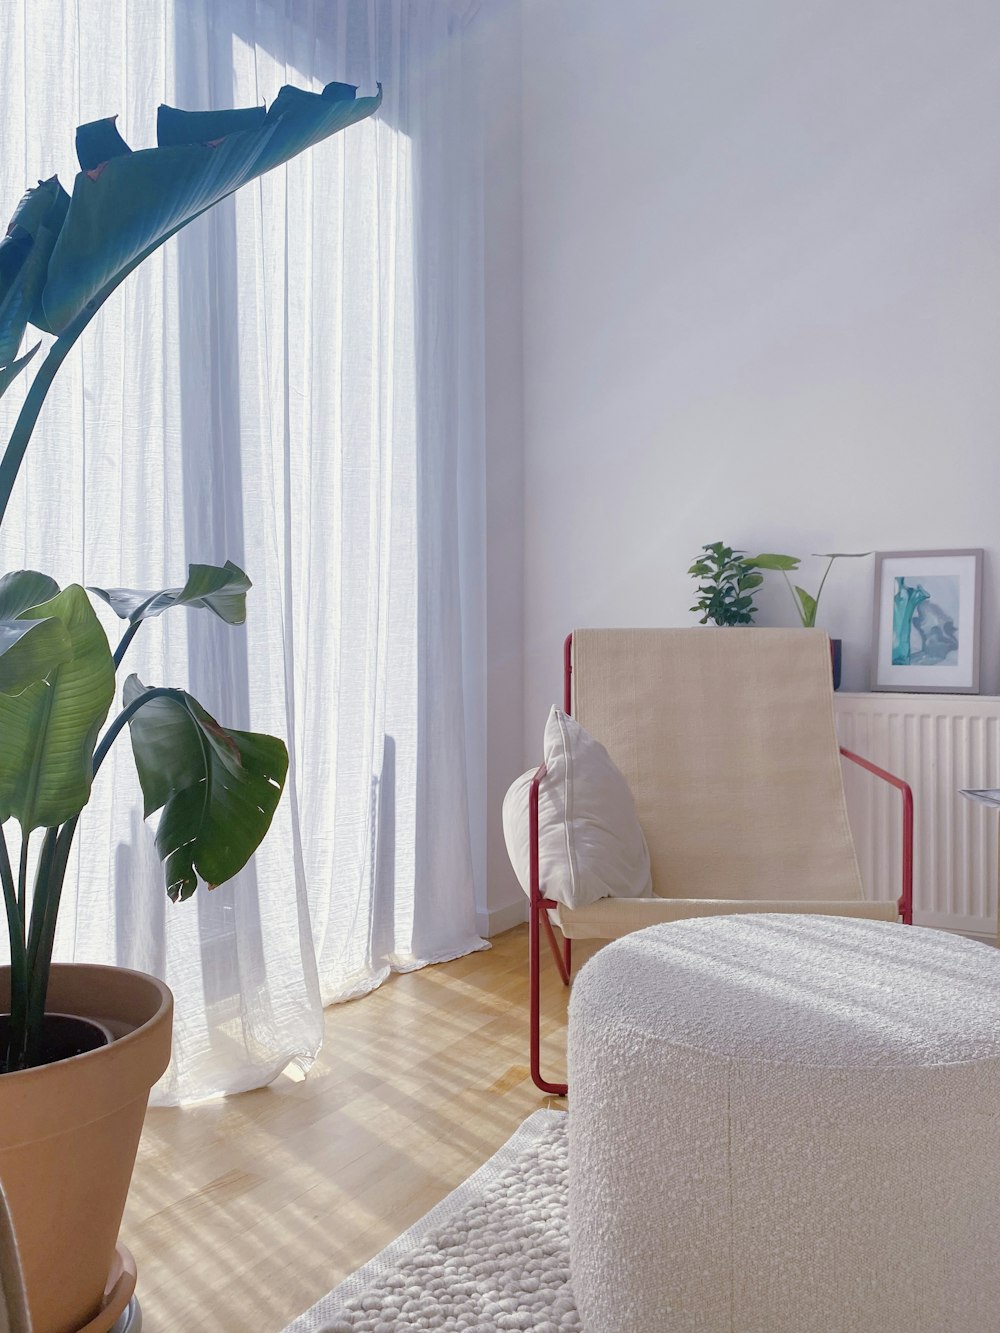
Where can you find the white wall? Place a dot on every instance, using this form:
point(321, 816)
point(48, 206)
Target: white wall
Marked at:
point(499, 31)
point(761, 274)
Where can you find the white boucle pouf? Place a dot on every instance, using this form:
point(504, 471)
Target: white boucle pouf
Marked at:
point(786, 1124)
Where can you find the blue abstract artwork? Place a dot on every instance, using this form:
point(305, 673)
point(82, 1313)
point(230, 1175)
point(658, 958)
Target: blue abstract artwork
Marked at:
point(925, 617)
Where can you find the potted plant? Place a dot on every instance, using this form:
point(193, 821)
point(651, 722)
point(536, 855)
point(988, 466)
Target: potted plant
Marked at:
point(72, 1095)
point(806, 605)
point(726, 582)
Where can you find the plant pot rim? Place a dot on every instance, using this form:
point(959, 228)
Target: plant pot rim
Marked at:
point(166, 1000)
point(137, 1005)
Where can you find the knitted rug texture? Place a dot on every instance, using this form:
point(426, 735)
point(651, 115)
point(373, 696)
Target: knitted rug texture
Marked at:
point(492, 1256)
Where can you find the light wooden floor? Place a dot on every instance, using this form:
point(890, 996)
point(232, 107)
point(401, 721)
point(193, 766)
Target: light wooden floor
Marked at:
point(243, 1212)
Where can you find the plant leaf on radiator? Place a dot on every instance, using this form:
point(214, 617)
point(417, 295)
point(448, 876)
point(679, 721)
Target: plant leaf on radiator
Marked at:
point(806, 605)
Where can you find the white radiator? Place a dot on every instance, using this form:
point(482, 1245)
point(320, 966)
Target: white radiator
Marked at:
point(937, 743)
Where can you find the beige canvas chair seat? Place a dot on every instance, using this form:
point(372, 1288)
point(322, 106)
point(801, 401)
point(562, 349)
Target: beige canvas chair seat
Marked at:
point(727, 741)
point(612, 918)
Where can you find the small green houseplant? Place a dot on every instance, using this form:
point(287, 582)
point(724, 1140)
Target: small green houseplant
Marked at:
point(726, 583)
point(806, 605)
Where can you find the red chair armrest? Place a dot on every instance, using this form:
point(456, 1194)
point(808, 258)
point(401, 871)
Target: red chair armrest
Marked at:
point(906, 897)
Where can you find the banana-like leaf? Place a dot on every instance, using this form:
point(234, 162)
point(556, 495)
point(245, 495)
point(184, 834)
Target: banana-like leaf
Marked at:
point(124, 207)
point(218, 588)
point(97, 142)
point(218, 788)
point(24, 259)
point(29, 649)
point(49, 730)
point(808, 604)
point(770, 561)
point(22, 590)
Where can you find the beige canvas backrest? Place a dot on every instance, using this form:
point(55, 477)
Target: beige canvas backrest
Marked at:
point(726, 737)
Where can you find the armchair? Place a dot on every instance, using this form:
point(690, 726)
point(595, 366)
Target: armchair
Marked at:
point(727, 741)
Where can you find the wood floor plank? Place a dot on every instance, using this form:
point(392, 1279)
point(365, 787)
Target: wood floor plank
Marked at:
point(244, 1212)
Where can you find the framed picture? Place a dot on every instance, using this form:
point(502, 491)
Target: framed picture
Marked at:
point(927, 621)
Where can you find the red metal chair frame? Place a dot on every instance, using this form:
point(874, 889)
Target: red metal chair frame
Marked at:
point(539, 906)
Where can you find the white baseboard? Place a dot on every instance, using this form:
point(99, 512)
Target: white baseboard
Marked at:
point(499, 919)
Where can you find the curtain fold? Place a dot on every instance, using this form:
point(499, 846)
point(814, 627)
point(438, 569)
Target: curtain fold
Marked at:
point(293, 383)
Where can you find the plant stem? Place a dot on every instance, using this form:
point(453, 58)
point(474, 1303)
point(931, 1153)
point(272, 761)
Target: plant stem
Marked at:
point(10, 897)
point(156, 692)
point(40, 962)
point(22, 877)
point(795, 599)
point(49, 885)
point(20, 437)
point(27, 1033)
point(124, 642)
point(18, 961)
point(39, 897)
point(819, 590)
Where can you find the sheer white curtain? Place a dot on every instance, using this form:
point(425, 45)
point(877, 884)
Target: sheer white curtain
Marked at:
point(293, 383)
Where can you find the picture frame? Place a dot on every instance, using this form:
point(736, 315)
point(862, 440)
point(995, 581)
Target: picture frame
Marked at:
point(926, 629)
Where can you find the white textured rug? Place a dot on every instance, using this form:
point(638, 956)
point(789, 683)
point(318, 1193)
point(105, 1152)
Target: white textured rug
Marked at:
point(492, 1256)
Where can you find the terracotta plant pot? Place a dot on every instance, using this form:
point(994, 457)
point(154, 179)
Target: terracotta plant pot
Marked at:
point(69, 1133)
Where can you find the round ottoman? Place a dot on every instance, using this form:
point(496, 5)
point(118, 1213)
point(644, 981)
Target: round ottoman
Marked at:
point(786, 1124)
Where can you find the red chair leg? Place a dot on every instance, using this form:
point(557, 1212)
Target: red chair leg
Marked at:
point(539, 910)
point(538, 914)
point(561, 956)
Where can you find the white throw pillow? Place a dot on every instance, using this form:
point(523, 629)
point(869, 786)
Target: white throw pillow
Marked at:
point(590, 844)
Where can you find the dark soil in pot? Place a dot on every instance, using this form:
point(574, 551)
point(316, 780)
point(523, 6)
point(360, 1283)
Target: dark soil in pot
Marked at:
point(63, 1036)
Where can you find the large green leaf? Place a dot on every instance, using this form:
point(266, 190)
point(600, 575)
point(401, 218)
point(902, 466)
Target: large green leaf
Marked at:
point(218, 788)
point(218, 588)
point(23, 589)
point(769, 561)
point(29, 649)
point(24, 258)
point(49, 730)
point(807, 603)
point(126, 206)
